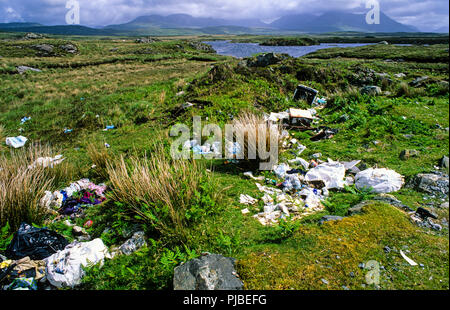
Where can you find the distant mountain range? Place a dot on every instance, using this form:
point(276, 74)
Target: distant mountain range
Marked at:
point(179, 24)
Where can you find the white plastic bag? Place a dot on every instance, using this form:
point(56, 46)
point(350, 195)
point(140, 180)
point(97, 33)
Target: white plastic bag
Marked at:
point(380, 180)
point(64, 268)
point(16, 142)
point(331, 173)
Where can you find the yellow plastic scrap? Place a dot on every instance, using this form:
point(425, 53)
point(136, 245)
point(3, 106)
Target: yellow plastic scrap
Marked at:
point(5, 264)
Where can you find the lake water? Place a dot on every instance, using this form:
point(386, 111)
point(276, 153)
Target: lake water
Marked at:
point(242, 50)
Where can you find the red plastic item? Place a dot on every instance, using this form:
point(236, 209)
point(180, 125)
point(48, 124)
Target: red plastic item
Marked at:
point(88, 224)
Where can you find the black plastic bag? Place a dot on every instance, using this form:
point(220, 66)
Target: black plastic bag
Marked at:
point(37, 243)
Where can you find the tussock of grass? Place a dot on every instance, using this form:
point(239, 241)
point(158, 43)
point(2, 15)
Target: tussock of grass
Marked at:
point(252, 128)
point(22, 187)
point(158, 190)
point(100, 158)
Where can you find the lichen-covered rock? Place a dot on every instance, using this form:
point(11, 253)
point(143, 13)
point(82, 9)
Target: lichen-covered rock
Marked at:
point(432, 183)
point(209, 272)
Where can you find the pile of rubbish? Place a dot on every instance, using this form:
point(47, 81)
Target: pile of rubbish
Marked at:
point(39, 258)
point(301, 186)
point(74, 198)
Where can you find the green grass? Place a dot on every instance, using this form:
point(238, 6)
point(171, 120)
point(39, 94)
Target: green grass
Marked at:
point(114, 81)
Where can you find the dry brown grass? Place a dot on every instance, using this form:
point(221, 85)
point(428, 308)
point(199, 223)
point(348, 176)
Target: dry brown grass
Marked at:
point(22, 187)
point(158, 189)
point(251, 126)
point(100, 158)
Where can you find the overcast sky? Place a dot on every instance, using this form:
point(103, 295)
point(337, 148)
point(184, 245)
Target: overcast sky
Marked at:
point(426, 15)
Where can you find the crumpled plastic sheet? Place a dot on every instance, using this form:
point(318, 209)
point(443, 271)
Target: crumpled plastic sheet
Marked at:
point(281, 170)
point(65, 268)
point(292, 182)
point(47, 162)
point(37, 243)
point(381, 180)
point(331, 173)
point(247, 200)
point(16, 142)
point(299, 161)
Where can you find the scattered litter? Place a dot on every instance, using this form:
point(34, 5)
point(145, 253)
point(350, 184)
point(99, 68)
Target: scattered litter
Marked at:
point(22, 284)
point(409, 260)
point(381, 180)
point(107, 145)
point(65, 268)
point(247, 200)
point(303, 92)
point(16, 142)
point(249, 174)
point(47, 162)
point(37, 243)
point(110, 127)
point(331, 173)
point(25, 119)
point(299, 161)
point(245, 211)
point(281, 170)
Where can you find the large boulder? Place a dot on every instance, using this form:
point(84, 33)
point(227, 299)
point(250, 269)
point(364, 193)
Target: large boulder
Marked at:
point(209, 272)
point(45, 49)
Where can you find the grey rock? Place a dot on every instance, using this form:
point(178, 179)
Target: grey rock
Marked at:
point(443, 163)
point(330, 218)
point(32, 36)
point(371, 90)
point(209, 272)
point(432, 183)
point(202, 47)
point(146, 40)
point(387, 250)
point(44, 48)
point(419, 81)
point(406, 154)
point(265, 60)
point(424, 213)
point(23, 69)
point(69, 48)
point(133, 244)
point(358, 209)
point(444, 205)
point(400, 75)
point(389, 199)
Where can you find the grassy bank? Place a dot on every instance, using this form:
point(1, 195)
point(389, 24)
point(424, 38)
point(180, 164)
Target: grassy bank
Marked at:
point(139, 88)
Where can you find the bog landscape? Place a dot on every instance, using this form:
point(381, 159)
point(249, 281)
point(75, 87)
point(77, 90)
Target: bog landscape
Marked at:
point(358, 199)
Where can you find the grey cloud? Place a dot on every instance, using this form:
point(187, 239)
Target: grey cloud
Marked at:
point(426, 15)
